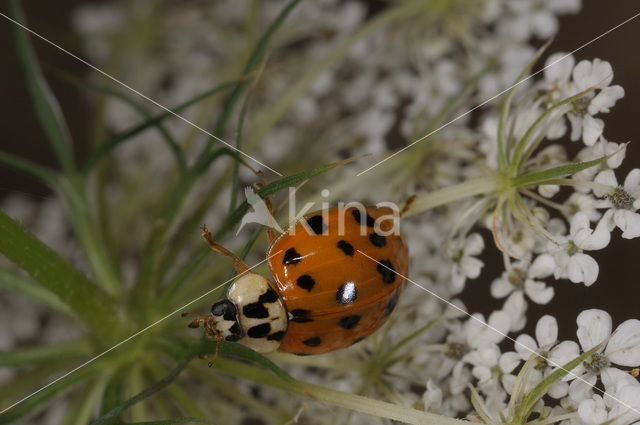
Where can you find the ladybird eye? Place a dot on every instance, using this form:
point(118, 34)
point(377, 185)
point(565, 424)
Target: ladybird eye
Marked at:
point(226, 309)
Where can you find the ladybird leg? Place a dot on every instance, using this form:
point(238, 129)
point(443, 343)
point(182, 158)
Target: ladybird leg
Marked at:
point(271, 233)
point(240, 266)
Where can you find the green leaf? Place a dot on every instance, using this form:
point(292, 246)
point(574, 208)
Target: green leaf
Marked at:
point(239, 351)
point(46, 106)
point(321, 394)
point(137, 106)
point(529, 402)
point(252, 64)
point(272, 188)
point(504, 111)
point(182, 420)
point(90, 303)
point(33, 383)
point(161, 384)
point(106, 147)
point(24, 285)
point(44, 174)
point(28, 356)
point(83, 405)
point(540, 177)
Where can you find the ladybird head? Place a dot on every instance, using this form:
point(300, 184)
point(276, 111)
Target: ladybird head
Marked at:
point(225, 321)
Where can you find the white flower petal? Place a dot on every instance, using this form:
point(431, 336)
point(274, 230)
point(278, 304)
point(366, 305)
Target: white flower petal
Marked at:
point(564, 352)
point(525, 346)
point(594, 326)
point(632, 181)
point(474, 244)
point(501, 287)
point(606, 99)
point(624, 346)
point(542, 267)
point(558, 390)
point(547, 330)
point(557, 68)
point(582, 268)
point(581, 389)
point(539, 292)
point(628, 222)
point(591, 129)
point(592, 411)
point(615, 379)
point(509, 361)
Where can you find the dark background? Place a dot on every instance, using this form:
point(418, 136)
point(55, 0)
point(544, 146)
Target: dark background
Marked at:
point(618, 287)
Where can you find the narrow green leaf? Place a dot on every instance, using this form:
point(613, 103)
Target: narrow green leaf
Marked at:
point(39, 397)
point(236, 165)
point(24, 285)
point(161, 384)
point(44, 174)
point(137, 106)
point(504, 111)
point(241, 352)
point(46, 106)
point(354, 402)
point(539, 177)
point(518, 159)
point(106, 147)
point(83, 405)
point(539, 390)
point(272, 188)
point(92, 305)
point(182, 420)
point(28, 356)
point(252, 64)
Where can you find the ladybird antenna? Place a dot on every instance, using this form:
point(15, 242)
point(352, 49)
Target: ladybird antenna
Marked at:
point(240, 266)
point(407, 205)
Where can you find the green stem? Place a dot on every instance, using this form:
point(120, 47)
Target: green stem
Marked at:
point(477, 186)
point(337, 398)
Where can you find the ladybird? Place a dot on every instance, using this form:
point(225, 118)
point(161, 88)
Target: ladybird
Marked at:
point(326, 294)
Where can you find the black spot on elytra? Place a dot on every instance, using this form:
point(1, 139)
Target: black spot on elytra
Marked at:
point(268, 297)
point(301, 354)
point(363, 218)
point(291, 257)
point(314, 341)
point(255, 311)
point(316, 224)
point(346, 247)
point(276, 336)
point(300, 315)
point(226, 309)
point(347, 293)
point(236, 333)
point(349, 322)
point(259, 331)
point(385, 268)
point(306, 282)
point(391, 304)
point(377, 240)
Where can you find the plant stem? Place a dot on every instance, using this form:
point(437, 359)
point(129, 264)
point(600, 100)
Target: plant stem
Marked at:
point(427, 201)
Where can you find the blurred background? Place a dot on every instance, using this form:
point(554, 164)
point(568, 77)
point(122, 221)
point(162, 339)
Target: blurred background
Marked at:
point(617, 289)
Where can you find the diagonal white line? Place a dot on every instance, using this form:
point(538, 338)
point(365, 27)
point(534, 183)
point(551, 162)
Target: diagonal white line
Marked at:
point(135, 335)
point(501, 333)
point(95, 68)
point(499, 94)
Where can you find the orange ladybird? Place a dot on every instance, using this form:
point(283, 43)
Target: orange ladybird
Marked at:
point(337, 275)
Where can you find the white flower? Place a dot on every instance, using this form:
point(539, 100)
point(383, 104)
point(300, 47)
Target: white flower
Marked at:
point(624, 202)
point(551, 356)
point(526, 279)
point(623, 348)
point(570, 261)
point(465, 264)
point(478, 333)
point(483, 360)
